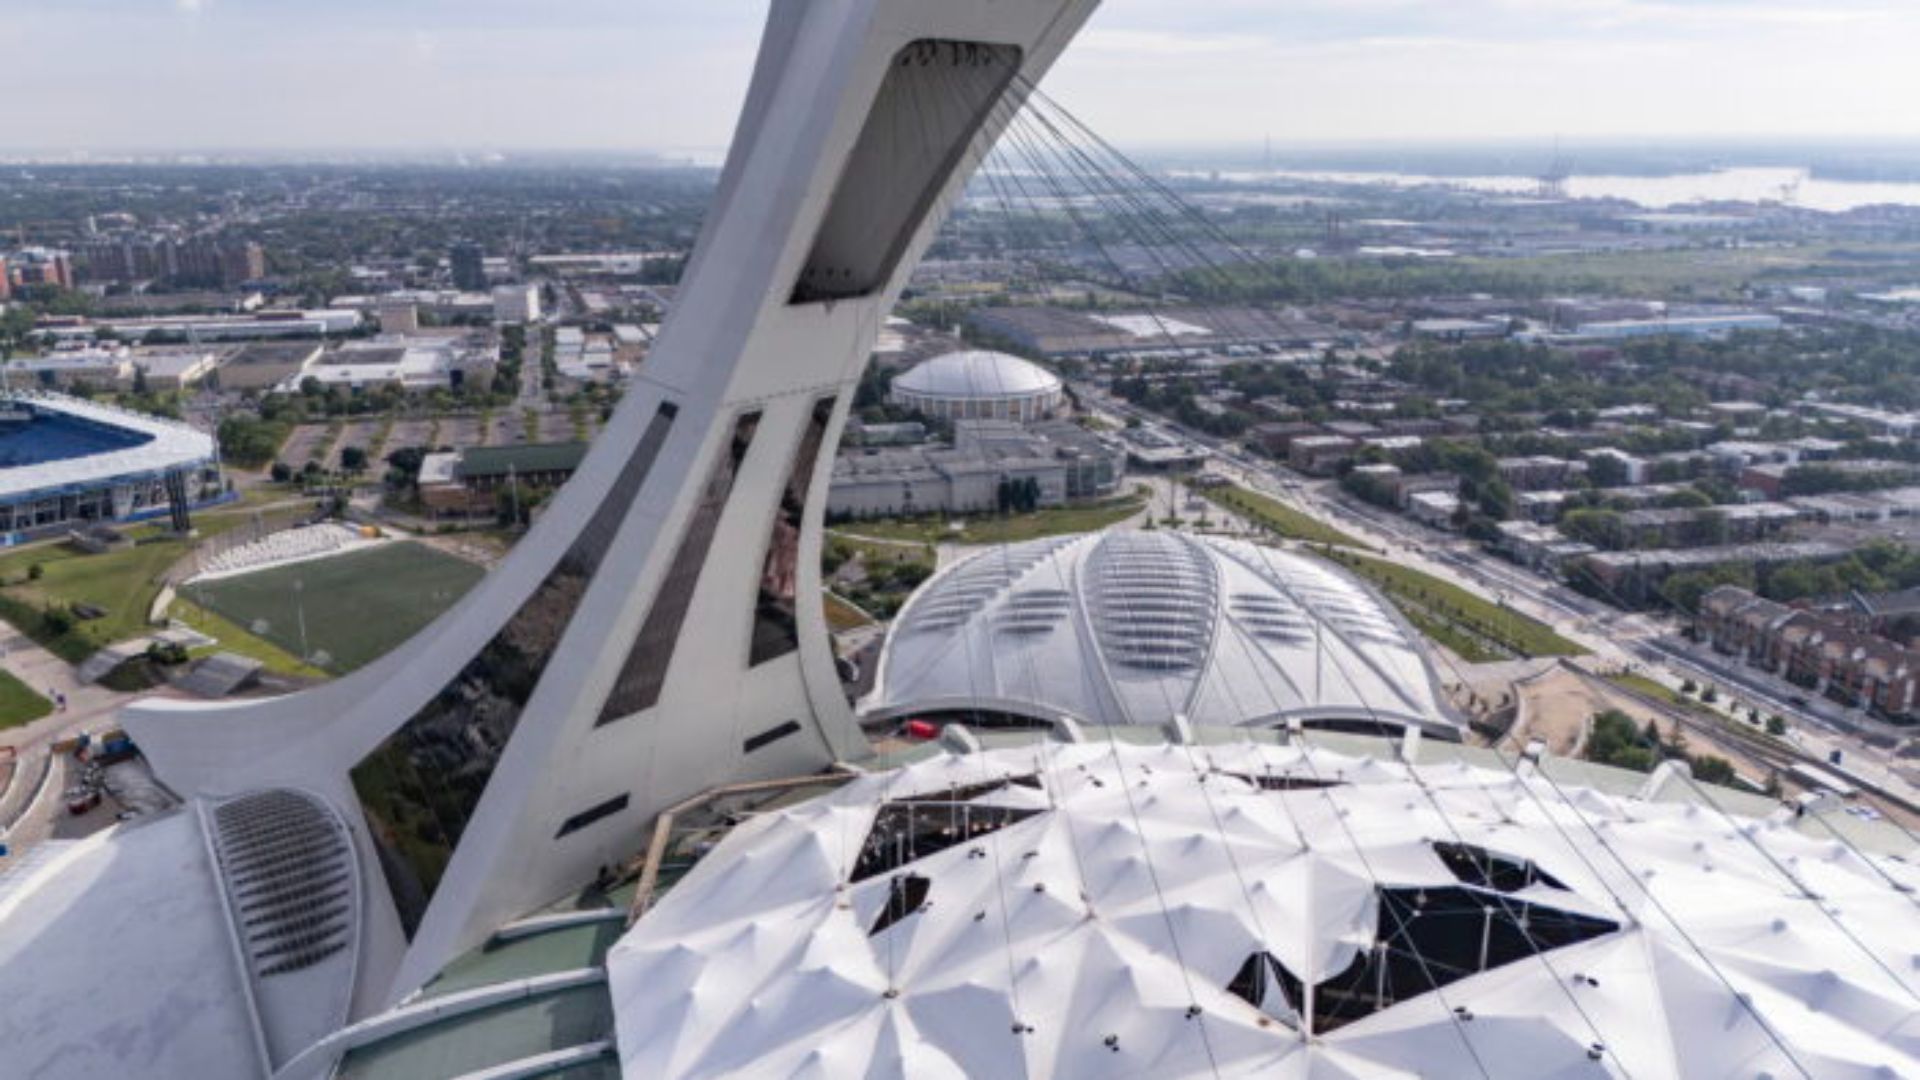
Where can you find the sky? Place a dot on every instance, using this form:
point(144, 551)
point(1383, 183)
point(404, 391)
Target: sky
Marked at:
point(668, 75)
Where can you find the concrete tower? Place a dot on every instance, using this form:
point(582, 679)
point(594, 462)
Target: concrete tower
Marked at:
point(660, 630)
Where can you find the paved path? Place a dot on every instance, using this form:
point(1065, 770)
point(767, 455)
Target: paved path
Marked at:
point(46, 674)
point(88, 708)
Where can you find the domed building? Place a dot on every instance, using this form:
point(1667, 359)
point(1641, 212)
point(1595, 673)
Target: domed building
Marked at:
point(979, 385)
point(1135, 628)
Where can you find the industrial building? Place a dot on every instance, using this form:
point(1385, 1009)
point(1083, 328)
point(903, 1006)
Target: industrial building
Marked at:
point(411, 363)
point(265, 365)
point(1057, 333)
point(1064, 461)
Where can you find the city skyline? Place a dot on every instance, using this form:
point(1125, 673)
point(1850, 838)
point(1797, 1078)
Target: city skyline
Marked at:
point(430, 76)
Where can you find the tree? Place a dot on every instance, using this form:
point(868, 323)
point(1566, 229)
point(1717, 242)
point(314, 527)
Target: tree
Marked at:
point(1709, 769)
point(281, 472)
point(1615, 741)
point(353, 459)
point(1776, 726)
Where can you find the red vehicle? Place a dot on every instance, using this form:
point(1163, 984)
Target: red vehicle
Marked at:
point(80, 802)
point(922, 730)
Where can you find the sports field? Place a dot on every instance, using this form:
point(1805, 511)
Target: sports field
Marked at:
point(355, 607)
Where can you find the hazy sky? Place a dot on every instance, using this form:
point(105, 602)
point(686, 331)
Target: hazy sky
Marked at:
point(669, 74)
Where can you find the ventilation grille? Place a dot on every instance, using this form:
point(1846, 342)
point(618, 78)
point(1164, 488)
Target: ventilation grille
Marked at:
point(1154, 598)
point(1034, 611)
point(1272, 618)
point(289, 874)
point(1353, 616)
point(973, 585)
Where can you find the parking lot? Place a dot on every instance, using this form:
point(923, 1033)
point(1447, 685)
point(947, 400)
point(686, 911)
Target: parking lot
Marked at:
point(360, 433)
point(307, 443)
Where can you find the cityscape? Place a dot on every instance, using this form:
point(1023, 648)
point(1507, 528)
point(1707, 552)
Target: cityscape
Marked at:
point(943, 589)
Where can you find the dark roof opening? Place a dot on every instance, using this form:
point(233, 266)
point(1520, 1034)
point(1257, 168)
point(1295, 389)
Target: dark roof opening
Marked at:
point(1486, 869)
point(905, 895)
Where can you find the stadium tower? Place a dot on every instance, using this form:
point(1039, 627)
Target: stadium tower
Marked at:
point(659, 631)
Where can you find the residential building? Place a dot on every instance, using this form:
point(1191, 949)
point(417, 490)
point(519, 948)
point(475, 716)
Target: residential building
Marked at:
point(469, 268)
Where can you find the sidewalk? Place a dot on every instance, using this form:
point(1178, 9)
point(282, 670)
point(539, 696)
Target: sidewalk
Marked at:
point(45, 673)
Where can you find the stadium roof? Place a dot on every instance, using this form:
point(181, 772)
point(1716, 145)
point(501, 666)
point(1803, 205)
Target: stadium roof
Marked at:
point(1135, 627)
point(1236, 909)
point(168, 445)
point(978, 375)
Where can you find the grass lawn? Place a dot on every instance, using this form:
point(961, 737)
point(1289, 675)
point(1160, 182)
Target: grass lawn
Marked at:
point(903, 552)
point(355, 607)
point(1002, 529)
point(19, 705)
point(1658, 273)
point(1469, 647)
point(1289, 523)
point(842, 615)
point(1430, 602)
point(123, 583)
point(1642, 685)
point(237, 640)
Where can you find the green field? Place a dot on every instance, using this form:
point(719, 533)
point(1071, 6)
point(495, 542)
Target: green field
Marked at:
point(841, 615)
point(121, 583)
point(1472, 626)
point(238, 641)
point(1288, 523)
point(355, 607)
point(19, 705)
point(1001, 528)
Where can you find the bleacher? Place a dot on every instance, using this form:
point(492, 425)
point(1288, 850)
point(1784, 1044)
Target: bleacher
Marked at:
point(293, 545)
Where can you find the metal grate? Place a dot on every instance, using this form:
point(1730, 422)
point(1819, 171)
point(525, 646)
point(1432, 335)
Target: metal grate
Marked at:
point(288, 868)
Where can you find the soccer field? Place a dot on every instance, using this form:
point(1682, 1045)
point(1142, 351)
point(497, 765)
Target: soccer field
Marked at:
point(355, 607)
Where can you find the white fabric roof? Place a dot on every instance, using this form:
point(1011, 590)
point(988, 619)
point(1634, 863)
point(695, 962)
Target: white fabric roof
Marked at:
point(979, 375)
point(1100, 934)
point(170, 445)
point(1128, 627)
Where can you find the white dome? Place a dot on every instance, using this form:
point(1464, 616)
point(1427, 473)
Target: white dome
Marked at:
point(979, 376)
point(1129, 627)
point(1242, 909)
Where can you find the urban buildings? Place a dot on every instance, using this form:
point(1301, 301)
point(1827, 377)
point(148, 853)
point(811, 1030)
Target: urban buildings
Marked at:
point(469, 268)
point(419, 870)
point(215, 261)
point(407, 362)
point(34, 268)
point(516, 304)
point(1836, 654)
